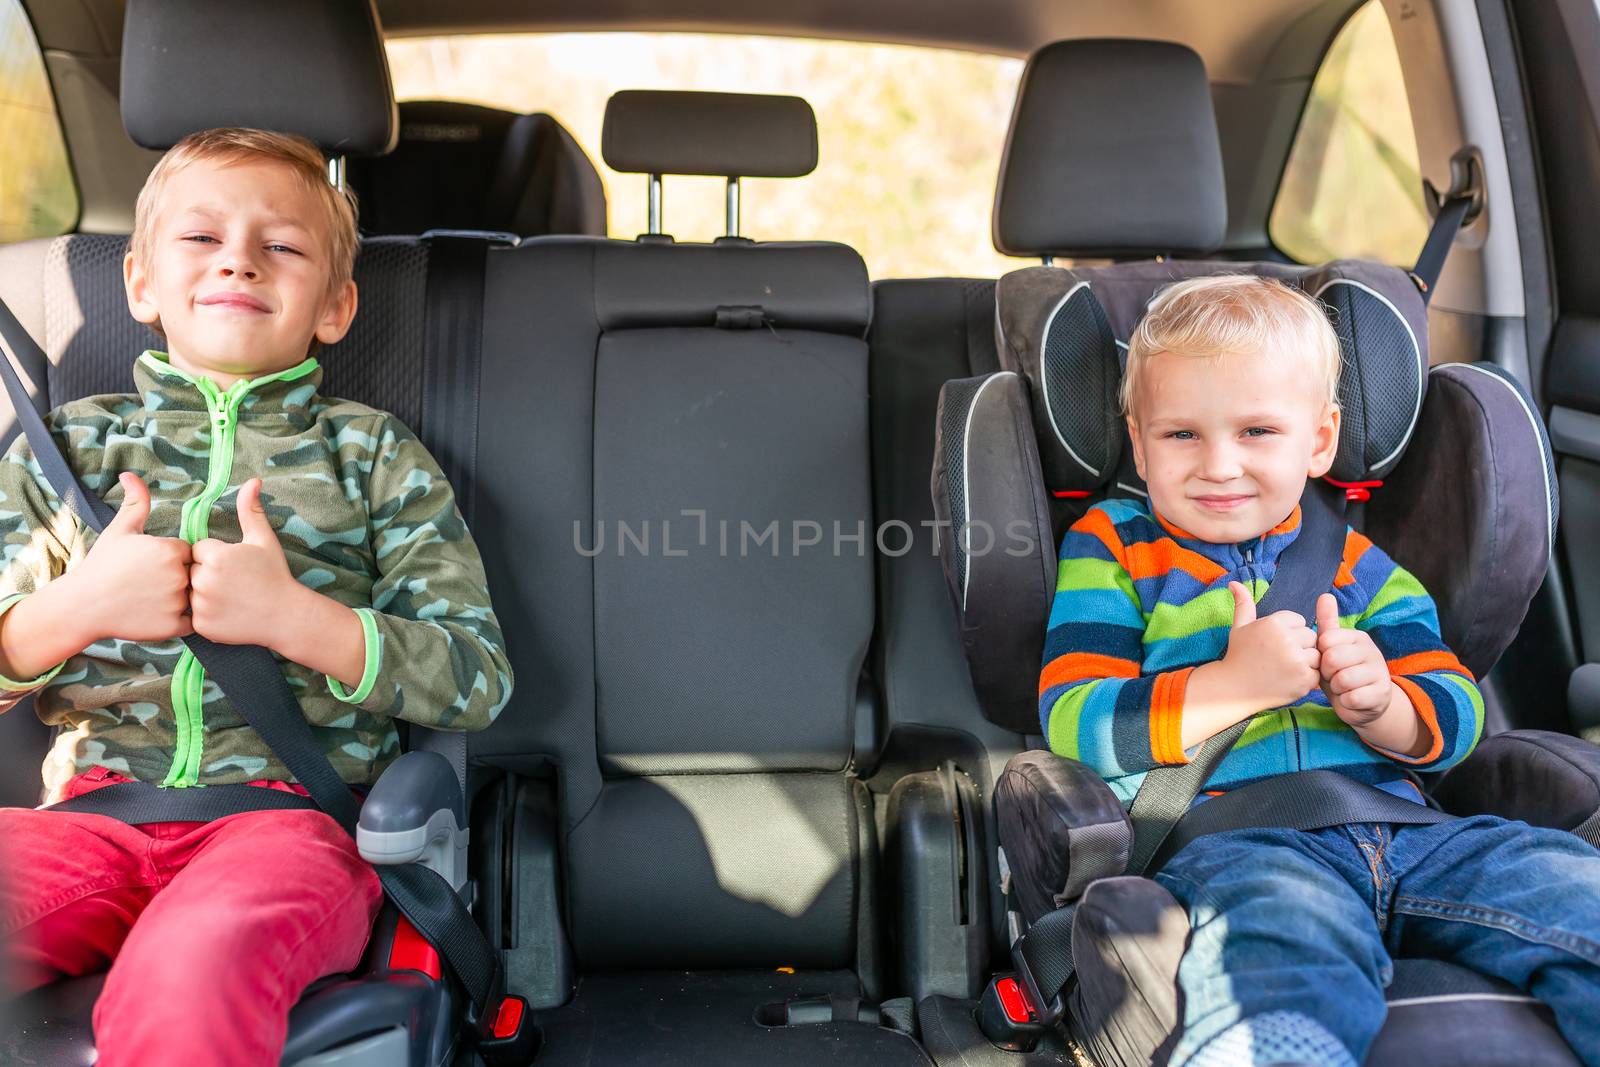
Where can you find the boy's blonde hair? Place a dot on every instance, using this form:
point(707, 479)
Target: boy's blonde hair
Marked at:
point(1235, 313)
point(235, 144)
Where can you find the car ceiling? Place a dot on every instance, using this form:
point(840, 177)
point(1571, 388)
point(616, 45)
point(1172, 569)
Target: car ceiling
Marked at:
point(1241, 41)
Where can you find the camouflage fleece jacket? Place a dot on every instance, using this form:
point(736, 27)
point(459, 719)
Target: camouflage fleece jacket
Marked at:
point(364, 516)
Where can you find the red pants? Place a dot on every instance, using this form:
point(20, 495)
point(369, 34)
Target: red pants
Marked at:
point(211, 930)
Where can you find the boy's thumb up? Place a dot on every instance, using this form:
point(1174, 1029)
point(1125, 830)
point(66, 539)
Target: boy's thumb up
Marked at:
point(1244, 605)
point(1327, 614)
point(130, 517)
point(254, 527)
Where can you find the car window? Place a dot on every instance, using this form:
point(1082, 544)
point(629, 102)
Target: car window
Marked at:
point(909, 138)
point(1352, 185)
point(37, 196)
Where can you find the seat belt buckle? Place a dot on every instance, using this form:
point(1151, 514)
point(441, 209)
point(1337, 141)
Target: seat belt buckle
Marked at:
point(510, 1038)
point(1007, 1016)
point(1046, 1003)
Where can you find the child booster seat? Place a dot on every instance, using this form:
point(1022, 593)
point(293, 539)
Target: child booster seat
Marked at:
point(1448, 470)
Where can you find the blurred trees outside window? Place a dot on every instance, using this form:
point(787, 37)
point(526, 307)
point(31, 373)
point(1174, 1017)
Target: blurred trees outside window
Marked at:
point(1352, 186)
point(37, 194)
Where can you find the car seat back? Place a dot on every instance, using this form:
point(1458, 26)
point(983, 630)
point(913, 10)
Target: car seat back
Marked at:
point(462, 166)
point(713, 403)
point(1413, 442)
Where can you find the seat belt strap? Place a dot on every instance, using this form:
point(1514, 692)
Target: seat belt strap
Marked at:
point(88, 507)
point(1306, 570)
point(138, 803)
point(452, 355)
point(1441, 236)
point(1304, 800)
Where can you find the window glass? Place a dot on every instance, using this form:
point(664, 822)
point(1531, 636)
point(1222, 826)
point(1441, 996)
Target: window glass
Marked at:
point(1352, 185)
point(909, 139)
point(37, 196)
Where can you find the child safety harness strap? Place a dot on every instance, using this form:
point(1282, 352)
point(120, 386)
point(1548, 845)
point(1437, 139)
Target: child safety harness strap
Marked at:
point(251, 677)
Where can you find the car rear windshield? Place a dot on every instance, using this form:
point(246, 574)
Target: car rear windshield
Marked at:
point(909, 138)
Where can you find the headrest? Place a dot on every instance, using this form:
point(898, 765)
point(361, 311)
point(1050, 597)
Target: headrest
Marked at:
point(460, 166)
point(724, 134)
point(1112, 151)
point(312, 67)
point(735, 285)
point(1066, 331)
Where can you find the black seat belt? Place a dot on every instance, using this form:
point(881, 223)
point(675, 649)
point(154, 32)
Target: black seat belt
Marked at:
point(1305, 800)
point(1436, 249)
point(256, 686)
point(451, 358)
point(1452, 209)
point(1306, 570)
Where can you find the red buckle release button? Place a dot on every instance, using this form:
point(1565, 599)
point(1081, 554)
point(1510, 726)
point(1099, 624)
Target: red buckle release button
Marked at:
point(1013, 1001)
point(411, 951)
point(509, 1018)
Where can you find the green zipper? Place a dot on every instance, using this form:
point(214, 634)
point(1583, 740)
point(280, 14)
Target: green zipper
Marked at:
point(188, 678)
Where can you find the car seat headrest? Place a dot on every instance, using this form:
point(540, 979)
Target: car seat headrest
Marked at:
point(1112, 152)
point(739, 285)
point(316, 68)
point(1066, 331)
point(461, 166)
point(734, 135)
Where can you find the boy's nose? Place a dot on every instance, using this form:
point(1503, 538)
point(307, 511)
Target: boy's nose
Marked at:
point(1220, 463)
point(238, 263)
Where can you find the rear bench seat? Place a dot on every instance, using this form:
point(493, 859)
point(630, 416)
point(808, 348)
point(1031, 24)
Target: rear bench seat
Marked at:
point(674, 770)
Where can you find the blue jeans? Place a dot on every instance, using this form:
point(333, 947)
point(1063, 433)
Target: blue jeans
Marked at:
point(1294, 931)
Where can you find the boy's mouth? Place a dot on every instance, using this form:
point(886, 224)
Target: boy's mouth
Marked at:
point(233, 301)
point(1222, 501)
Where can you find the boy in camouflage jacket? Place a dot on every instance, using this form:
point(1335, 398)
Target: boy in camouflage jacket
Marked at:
point(251, 510)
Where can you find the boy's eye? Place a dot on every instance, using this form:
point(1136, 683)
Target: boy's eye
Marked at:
point(1259, 431)
point(1180, 435)
point(200, 238)
point(283, 248)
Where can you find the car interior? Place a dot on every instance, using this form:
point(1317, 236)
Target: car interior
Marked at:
point(775, 714)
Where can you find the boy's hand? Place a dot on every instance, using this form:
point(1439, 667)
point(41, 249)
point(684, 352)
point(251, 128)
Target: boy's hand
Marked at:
point(1273, 660)
point(132, 585)
point(244, 594)
point(1355, 675)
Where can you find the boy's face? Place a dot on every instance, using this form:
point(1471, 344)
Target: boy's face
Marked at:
point(238, 271)
point(1226, 445)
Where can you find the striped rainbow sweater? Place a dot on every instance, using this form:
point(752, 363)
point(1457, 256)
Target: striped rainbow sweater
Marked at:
point(1140, 603)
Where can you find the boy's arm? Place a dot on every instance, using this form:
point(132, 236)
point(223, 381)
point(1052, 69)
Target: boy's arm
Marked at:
point(1093, 704)
point(1442, 695)
point(37, 616)
point(433, 651)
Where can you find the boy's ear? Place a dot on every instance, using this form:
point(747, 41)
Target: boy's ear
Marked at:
point(1325, 441)
point(141, 301)
point(337, 312)
point(1138, 447)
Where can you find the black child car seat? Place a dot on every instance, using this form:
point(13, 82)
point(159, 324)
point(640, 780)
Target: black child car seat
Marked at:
point(1112, 153)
